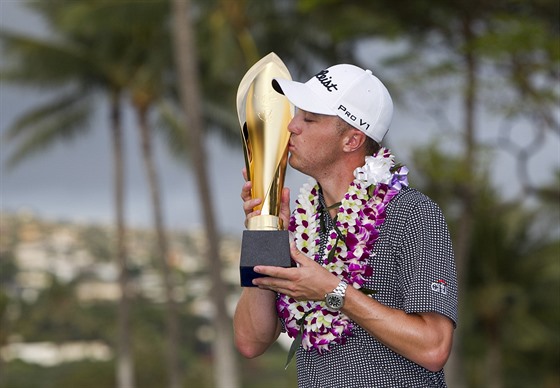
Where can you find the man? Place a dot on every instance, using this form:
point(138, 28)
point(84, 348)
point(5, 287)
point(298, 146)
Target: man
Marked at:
point(373, 298)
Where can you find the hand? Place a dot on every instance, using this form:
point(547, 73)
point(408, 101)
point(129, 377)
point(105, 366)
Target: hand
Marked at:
point(250, 203)
point(308, 281)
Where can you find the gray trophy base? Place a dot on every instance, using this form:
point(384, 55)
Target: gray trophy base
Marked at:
point(263, 247)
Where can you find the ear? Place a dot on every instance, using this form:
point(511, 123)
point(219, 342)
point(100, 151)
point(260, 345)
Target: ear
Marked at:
point(353, 140)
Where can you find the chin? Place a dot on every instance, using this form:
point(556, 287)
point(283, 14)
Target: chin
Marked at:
point(291, 161)
point(299, 169)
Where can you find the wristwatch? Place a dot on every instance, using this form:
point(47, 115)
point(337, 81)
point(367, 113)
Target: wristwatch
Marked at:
point(335, 299)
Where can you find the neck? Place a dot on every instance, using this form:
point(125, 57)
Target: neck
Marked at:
point(334, 181)
point(334, 190)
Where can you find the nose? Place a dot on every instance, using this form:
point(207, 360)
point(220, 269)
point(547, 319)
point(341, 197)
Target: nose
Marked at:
point(293, 126)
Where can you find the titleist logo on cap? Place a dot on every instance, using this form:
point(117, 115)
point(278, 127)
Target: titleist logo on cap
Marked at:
point(326, 81)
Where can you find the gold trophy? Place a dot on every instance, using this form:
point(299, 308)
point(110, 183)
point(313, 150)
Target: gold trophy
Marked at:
point(264, 115)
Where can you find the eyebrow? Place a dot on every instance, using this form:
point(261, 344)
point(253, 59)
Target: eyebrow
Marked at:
point(314, 115)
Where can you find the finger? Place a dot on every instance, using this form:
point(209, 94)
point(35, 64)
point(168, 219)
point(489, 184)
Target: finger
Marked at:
point(285, 206)
point(274, 284)
point(285, 199)
point(269, 282)
point(250, 204)
point(244, 172)
point(298, 256)
point(285, 291)
point(246, 191)
point(276, 274)
point(251, 215)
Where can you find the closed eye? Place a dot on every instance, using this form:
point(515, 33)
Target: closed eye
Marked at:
point(309, 117)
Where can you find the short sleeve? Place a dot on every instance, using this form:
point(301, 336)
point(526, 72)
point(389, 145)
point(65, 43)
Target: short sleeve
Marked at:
point(429, 275)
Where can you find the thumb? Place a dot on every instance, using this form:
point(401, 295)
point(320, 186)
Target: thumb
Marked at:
point(285, 207)
point(298, 256)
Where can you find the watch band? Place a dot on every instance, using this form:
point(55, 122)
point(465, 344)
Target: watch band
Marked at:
point(335, 299)
point(341, 288)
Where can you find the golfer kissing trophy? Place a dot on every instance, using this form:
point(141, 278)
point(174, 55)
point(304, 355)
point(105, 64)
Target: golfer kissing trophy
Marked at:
point(264, 115)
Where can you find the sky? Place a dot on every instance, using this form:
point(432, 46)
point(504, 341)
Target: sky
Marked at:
point(73, 181)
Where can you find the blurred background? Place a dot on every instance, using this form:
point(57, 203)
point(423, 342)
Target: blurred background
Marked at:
point(121, 170)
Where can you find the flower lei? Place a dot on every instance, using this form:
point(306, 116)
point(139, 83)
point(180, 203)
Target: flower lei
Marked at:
point(360, 214)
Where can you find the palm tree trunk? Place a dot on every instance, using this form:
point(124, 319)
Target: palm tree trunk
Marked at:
point(171, 316)
point(493, 360)
point(225, 370)
point(457, 377)
point(125, 362)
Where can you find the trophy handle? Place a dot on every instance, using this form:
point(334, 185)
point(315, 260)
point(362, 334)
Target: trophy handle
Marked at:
point(247, 154)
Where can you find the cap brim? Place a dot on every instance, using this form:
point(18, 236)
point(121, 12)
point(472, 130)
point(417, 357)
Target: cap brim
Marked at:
point(301, 96)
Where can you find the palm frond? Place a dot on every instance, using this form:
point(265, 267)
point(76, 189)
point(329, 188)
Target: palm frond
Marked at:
point(40, 128)
point(223, 122)
point(28, 121)
point(35, 61)
point(172, 127)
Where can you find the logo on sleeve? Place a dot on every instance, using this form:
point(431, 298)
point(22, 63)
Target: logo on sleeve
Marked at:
point(440, 286)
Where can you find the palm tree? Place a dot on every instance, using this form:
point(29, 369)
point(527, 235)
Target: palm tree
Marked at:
point(186, 58)
point(147, 57)
point(148, 63)
point(513, 309)
point(172, 315)
point(68, 65)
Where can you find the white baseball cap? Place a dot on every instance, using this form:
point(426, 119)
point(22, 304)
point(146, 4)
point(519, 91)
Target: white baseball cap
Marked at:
point(346, 91)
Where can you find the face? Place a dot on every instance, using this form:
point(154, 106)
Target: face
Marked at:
point(315, 143)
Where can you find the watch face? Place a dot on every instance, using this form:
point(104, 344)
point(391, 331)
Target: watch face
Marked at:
point(334, 301)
